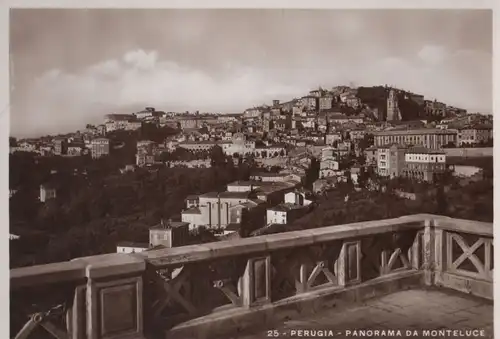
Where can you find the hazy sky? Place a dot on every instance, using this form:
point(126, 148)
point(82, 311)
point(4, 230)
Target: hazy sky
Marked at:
point(71, 67)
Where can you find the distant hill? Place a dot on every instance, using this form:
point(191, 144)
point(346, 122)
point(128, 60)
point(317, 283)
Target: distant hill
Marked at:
point(375, 97)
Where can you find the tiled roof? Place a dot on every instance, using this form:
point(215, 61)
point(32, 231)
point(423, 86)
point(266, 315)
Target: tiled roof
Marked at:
point(424, 150)
point(192, 210)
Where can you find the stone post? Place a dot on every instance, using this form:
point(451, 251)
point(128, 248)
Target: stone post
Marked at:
point(256, 282)
point(429, 249)
point(348, 264)
point(114, 296)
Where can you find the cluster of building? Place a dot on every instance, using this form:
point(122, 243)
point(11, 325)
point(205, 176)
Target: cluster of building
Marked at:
point(265, 200)
point(416, 154)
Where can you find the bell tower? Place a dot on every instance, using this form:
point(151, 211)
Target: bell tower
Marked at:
point(393, 113)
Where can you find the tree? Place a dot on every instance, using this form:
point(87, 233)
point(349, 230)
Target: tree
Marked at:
point(217, 156)
point(367, 141)
point(312, 174)
point(245, 224)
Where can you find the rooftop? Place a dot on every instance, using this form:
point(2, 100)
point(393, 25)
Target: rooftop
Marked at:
point(168, 224)
point(226, 195)
point(414, 131)
point(285, 207)
point(192, 197)
point(192, 210)
point(424, 150)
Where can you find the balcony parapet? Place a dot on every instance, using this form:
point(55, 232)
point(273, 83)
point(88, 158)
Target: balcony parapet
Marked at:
point(128, 295)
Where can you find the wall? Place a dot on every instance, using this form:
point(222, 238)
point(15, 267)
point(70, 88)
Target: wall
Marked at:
point(469, 152)
point(466, 171)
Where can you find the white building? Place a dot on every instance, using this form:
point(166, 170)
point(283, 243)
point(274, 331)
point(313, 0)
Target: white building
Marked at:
point(130, 247)
point(297, 198)
point(47, 192)
point(285, 213)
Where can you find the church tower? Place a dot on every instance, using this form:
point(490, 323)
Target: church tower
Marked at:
point(393, 113)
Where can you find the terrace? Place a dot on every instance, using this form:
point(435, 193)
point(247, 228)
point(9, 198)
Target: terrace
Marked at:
point(367, 275)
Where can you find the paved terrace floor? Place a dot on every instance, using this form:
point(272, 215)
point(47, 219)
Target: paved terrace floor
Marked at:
point(406, 310)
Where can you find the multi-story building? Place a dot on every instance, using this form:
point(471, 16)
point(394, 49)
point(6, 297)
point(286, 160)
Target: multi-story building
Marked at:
point(100, 147)
point(371, 156)
point(424, 164)
point(283, 124)
point(331, 138)
point(288, 106)
point(391, 160)
point(200, 145)
point(475, 135)
point(326, 101)
point(190, 122)
point(285, 213)
point(434, 108)
point(101, 129)
point(127, 125)
point(328, 164)
point(118, 117)
point(357, 134)
point(339, 118)
point(229, 117)
point(309, 102)
point(60, 146)
point(144, 159)
point(254, 112)
point(148, 112)
point(75, 150)
point(353, 101)
point(169, 234)
point(213, 209)
point(430, 138)
point(146, 146)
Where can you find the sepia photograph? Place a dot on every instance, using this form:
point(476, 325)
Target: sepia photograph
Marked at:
point(198, 173)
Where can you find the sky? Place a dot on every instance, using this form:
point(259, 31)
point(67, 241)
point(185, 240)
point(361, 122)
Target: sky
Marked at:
point(70, 67)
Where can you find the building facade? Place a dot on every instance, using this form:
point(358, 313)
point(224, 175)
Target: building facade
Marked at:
point(474, 135)
point(169, 234)
point(100, 147)
point(391, 160)
point(424, 164)
point(393, 113)
point(429, 138)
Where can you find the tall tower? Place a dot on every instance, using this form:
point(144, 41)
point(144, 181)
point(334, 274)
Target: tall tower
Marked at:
point(393, 113)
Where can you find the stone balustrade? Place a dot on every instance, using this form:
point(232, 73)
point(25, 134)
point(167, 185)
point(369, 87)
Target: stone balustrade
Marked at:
point(223, 286)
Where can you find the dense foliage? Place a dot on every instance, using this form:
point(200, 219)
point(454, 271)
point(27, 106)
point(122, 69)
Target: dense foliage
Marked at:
point(472, 201)
point(96, 206)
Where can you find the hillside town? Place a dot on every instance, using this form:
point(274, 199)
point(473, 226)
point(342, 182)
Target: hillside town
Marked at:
point(343, 135)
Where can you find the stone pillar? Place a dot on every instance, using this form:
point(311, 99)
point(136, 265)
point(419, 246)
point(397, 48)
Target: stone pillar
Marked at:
point(114, 296)
point(348, 264)
point(256, 282)
point(440, 255)
point(428, 252)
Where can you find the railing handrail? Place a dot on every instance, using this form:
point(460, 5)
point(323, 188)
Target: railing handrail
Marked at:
point(76, 269)
point(464, 226)
point(266, 243)
point(65, 271)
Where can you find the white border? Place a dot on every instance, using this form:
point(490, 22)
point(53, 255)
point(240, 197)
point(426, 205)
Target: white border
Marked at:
point(310, 4)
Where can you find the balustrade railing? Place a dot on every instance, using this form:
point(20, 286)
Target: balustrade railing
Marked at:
point(135, 295)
